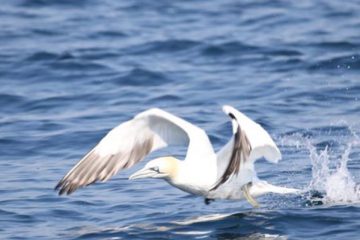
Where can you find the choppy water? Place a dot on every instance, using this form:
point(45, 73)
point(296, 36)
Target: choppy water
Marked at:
point(72, 70)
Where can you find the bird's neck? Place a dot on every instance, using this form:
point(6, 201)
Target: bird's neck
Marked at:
point(190, 179)
point(174, 170)
point(172, 167)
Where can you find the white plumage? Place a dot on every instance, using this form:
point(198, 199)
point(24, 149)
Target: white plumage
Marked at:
point(228, 174)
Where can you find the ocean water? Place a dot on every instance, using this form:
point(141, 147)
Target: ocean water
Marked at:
point(72, 70)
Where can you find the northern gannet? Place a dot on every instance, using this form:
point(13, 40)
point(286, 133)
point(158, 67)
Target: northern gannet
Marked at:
point(227, 174)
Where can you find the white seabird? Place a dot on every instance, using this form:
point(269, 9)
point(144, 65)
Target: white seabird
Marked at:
point(227, 174)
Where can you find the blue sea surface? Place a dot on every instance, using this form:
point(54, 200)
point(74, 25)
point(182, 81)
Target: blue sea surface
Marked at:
point(72, 70)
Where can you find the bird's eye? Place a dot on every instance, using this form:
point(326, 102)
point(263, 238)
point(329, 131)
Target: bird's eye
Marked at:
point(156, 169)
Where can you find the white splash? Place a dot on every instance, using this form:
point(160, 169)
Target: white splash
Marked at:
point(330, 174)
point(337, 184)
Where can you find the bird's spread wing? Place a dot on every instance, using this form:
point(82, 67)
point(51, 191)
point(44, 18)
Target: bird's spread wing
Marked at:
point(248, 143)
point(129, 143)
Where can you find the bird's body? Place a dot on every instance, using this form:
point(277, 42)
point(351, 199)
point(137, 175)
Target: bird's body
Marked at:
point(227, 174)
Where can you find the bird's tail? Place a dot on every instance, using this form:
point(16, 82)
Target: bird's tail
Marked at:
point(262, 187)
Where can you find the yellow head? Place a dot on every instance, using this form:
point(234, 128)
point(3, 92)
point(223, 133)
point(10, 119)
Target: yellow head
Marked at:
point(164, 167)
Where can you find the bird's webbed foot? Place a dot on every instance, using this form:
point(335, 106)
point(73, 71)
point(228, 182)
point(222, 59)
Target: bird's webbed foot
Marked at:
point(247, 195)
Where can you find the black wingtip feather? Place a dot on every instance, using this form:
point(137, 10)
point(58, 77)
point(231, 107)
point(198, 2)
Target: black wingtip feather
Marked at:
point(58, 185)
point(232, 116)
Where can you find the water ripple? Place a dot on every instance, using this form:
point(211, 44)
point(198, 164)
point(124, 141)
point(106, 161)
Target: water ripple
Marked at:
point(72, 70)
point(141, 77)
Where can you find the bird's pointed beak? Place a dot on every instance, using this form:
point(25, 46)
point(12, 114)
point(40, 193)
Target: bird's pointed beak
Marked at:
point(143, 173)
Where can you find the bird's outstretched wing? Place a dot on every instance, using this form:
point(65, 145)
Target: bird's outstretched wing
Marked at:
point(130, 142)
point(248, 143)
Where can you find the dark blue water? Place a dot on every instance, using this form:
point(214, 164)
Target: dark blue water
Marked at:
point(72, 70)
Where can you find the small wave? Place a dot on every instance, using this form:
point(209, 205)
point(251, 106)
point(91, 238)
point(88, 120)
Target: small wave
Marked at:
point(45, 32)
point(46, 56)
point(349, 62)
point(45, 3)
point(142, 77)
point(228, 48)
point(70, 214)
point(64, 60)
point(341, 45)
point(168, 46)
point(10, 103)
point(107, 34)
point(77, 65)
point(167, 98)
point(17, 218)
point(285, 53)
point(10, 99)
point(51, 102)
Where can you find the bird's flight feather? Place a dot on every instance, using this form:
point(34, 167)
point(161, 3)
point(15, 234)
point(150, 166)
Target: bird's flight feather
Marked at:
point(248, 143)
point(129, 143)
